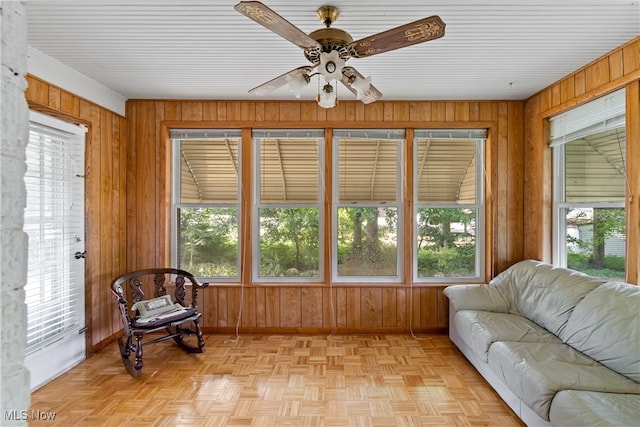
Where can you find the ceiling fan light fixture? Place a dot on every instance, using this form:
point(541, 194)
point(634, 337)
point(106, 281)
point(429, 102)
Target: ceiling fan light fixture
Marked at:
point(329, 48)
point(361, 85)
point(327, 97)
point(297, 82)
point(331, 65)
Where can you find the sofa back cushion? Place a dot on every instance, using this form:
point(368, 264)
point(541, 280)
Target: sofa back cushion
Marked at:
point(606, 327)
point(543, 293)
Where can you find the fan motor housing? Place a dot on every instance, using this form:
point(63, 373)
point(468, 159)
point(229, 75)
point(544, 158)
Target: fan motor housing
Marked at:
point(329, 39)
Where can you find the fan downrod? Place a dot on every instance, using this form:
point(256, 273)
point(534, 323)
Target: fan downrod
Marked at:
point(328, 15)
point(330, 38)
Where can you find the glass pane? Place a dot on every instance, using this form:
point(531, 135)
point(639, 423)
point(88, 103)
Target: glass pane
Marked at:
point(289, 242)
point(596, 241)
point(446, 242)
point(208, 241)
point(53, 217)
point(289, 170)
point(595, 167)
point(446, 170)
point(368, 170)
point(367, 241)
point(209, 171)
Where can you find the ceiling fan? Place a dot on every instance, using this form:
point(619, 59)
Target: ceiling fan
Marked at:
point(329, 48)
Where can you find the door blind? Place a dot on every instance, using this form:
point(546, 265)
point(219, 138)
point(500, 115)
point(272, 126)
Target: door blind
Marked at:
point(55, 190)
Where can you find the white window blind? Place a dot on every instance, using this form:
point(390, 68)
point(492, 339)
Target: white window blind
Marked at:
point(369, 165)
point(599, 115)
point(451, 133)
point(288, 166)
point(54, 296)
point(197, 134)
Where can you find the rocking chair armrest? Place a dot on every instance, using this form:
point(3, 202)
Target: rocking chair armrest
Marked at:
point(196, 286)
point(201, 285)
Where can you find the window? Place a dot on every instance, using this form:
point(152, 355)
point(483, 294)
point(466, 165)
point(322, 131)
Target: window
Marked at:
point(589, 148)
point(449, 212)
point(206, 205)
point(288, 205)
point(367, 205)
point(294, 221)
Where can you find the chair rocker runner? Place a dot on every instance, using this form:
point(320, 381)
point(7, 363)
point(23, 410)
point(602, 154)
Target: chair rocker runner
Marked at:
point(161, 313)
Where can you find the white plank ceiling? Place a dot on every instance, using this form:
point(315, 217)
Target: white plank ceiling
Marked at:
point(204, 49)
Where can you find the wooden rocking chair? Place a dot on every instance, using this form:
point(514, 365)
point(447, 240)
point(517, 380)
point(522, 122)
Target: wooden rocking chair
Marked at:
point(160, 313)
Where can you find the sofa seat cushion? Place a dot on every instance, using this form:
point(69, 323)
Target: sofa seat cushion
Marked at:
point(535, 372)
point(480, 329)
point(572, 408)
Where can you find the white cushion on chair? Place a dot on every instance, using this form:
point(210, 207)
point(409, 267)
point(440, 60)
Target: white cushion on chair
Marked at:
point(152, 308)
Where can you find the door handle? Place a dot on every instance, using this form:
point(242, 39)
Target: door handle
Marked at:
point(79, 254)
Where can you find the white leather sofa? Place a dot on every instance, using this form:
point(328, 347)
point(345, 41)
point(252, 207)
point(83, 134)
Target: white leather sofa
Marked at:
point(561, 348)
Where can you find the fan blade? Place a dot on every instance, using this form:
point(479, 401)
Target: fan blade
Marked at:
point(371, 95)
point(420, 31)
point(279, 81)
point(272, 21)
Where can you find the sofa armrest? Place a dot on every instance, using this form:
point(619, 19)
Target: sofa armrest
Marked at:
point(476, 297)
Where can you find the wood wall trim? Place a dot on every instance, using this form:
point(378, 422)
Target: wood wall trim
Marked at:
point(321, 331)
point(408, 202)
point(340, 124)
point(589, 96)
point(246, 260)
point(328, 194)
point(633, 180)
point(44, 109)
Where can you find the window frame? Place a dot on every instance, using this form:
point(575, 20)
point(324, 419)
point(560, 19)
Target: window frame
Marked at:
point(258, 204)
point(599, 115)
point(479, 206)
point(176, 205)
point(399, 205)
point(560, 207)
point(328, 150)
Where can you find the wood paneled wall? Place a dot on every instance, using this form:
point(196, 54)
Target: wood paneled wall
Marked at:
point(105, 199)
point(314, 309)
point(618, 69)
point(287, 308)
